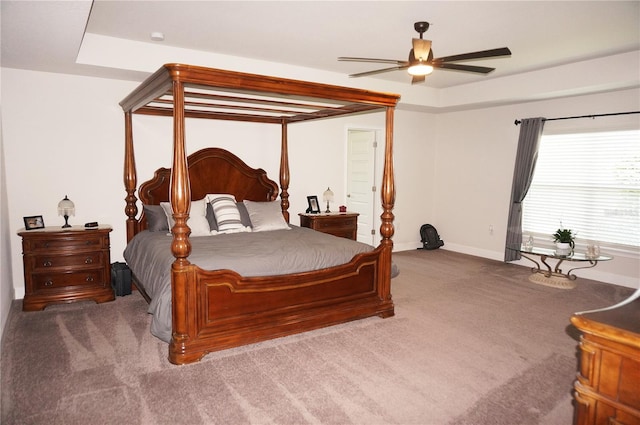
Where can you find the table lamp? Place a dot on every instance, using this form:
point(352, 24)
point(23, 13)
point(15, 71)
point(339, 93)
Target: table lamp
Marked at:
point(66, 208)
point(327, 197)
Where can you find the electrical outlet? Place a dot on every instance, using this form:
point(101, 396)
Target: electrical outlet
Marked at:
point(491, 229)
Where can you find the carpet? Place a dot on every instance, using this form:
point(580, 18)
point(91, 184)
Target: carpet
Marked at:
point(472, 342)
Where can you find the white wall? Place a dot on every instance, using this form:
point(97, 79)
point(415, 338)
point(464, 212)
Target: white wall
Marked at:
point(475, 159)
point(6, 281)
point(64, 135)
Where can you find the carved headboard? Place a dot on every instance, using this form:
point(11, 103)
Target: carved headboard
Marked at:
point(211, 170)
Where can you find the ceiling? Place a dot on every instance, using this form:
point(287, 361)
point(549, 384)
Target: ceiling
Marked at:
point(47, 36)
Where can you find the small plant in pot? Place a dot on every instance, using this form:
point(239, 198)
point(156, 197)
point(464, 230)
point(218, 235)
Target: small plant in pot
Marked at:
point(564, 239)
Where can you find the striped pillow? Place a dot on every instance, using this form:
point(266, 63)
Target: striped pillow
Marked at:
point(226, 213)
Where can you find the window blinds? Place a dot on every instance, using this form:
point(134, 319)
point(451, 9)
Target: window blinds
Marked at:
point(589, 183)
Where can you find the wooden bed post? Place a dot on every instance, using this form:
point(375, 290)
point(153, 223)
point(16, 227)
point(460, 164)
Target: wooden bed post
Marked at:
point(180, 197)
point(388, 192)
point(130, 178)
point(284, 172)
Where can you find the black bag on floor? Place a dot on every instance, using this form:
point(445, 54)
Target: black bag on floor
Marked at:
point(430, 237)
point(121, 279)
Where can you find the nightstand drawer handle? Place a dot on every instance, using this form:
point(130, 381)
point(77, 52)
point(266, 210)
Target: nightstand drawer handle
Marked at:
point(89, 279)
point(48, 282)
point(89, 260)
point(47, 263)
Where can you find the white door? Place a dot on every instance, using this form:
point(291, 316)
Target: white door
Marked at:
point(361, 191)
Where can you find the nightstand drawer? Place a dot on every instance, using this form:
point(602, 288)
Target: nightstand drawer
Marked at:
point(344, 225)
point(75, 242)
point(336, 223)
point(59, 280)
point(42, 262)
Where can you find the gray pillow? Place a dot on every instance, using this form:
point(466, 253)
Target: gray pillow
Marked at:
point(156, 218)
point(211, 217)
point(266, 216)
point(244, 214)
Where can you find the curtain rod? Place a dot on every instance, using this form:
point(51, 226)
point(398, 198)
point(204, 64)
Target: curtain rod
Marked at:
point(517, 122)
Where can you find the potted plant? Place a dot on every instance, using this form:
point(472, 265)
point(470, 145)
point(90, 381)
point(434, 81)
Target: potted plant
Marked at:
point(564, 239)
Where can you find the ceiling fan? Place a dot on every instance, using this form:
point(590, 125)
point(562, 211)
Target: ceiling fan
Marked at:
point(421, 62)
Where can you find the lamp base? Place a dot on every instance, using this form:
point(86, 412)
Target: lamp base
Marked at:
point(327, 211)
point(66, 222)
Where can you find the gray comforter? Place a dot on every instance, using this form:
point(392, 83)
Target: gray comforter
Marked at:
point(249, 254)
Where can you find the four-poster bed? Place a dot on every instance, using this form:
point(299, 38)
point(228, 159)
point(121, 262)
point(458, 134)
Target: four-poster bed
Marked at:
point(221, 308)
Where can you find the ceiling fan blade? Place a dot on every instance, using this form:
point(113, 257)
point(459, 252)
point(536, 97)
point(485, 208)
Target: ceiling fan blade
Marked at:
point(461, 67)
point(379, 71)
point(372, 60)
point(417, 79)
point(503, 51)
point(421, 48)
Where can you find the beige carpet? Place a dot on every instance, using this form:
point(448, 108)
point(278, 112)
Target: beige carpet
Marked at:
point(473, 342)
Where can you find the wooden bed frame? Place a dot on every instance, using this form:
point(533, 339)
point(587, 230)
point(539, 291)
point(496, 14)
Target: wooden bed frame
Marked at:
point(214, 310)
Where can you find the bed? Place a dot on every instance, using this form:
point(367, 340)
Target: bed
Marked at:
point(214, 307)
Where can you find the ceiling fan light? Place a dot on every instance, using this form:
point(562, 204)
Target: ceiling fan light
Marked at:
point(420, 69)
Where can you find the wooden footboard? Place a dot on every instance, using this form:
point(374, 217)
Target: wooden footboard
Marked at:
point(221, 309)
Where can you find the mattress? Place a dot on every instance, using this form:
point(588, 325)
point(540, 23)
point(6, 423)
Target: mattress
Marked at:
point(268, 253)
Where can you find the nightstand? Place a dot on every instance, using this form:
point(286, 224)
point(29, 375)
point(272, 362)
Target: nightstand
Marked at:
point(66, 265)
point(344, 225)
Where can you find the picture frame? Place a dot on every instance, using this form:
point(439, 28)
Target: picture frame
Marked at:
point(314, 205)
point(33, 222)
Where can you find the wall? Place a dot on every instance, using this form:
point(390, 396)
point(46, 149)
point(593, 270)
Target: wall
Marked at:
point(475, 160)
point(6, 281)
point(64, 135)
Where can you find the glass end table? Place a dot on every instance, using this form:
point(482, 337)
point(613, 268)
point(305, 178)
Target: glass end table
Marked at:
point(554, 276)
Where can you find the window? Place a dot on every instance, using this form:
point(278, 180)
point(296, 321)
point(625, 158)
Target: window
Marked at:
point(589, 183)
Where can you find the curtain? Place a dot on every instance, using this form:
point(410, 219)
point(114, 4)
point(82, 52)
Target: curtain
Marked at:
point(528, 144)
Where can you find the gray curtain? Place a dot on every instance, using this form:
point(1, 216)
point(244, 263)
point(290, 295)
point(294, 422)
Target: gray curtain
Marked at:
point(526, 156)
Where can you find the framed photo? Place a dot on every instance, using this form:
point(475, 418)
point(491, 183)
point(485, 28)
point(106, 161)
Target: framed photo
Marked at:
point(33, 222)
point(314, 206)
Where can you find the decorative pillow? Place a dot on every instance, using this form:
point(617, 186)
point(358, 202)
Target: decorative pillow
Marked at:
point(197, 221)
point(244, 214)
point(211, 218)
point(156, 218)
point(227, 214)
point(266, 216)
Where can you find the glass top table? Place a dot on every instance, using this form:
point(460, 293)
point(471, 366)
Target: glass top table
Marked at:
point(554, 276)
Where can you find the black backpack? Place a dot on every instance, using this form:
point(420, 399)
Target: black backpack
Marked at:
point(430, 237)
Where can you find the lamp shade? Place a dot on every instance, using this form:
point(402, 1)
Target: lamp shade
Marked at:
point(66, 207)
point(327, 196)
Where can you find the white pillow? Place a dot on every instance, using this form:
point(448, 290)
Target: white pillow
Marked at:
point(266, 216)
point(197, 221)
point(227, 215)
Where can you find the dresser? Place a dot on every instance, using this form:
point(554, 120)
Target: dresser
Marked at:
point(607, 389)
point(344, 225)
point(66, 265)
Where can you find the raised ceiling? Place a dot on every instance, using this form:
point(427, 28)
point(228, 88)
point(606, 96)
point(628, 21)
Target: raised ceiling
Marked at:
point(48, 36)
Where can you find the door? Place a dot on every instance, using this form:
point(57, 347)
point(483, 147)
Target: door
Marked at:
point(361, 190)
